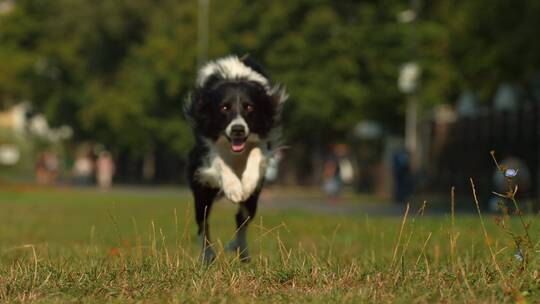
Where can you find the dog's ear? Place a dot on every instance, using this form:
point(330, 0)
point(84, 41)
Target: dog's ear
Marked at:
point(278, 95)
point(244, 57)
point(194, 99)
point(190, 105)
point(209, 81)
point(255, 66)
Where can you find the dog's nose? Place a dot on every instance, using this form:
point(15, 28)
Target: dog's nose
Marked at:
point(238, 130)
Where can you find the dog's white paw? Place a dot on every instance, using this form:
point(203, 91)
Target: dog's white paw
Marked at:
point(232, 188)
point(250, 180)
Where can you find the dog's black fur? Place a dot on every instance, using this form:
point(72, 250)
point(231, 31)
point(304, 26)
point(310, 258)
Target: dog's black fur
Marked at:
point(234, 110)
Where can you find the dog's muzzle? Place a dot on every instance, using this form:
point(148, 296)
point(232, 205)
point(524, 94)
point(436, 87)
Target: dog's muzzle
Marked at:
point(237, 137)
point(237, 132)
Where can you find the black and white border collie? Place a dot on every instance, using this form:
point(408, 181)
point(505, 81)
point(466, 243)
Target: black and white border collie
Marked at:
point(235, 111)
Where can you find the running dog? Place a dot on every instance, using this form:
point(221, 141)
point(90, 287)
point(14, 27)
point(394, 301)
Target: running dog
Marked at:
point(235, 111)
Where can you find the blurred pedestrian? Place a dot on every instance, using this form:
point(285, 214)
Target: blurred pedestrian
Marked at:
point(401, 171)
point(41, 172)
point(105, 169)
point(47, 168)
point(83, 169)
point(332, 174)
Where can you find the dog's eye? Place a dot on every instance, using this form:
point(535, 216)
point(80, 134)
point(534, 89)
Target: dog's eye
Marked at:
point(224, 108)
point(249, 108)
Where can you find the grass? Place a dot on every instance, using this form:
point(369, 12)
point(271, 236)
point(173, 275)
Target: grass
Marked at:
point(65, 245)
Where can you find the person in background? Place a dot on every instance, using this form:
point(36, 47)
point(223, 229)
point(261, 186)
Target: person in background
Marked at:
point(104, 170)
point(401, 169)
point(41, 171)
point(83, 169)
point(333, 182)
point(47, 168)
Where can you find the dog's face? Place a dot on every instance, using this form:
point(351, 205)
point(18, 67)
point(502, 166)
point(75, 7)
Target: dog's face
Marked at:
point(236, 110)
point(234, 101)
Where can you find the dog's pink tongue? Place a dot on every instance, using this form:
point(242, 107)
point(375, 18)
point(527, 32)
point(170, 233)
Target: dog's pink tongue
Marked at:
point(238, 147)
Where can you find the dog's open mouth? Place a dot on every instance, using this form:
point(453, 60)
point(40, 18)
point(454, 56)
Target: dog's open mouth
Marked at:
point(238, 144)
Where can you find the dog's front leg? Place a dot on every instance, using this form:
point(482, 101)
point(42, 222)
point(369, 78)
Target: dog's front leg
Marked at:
point(231, 185)
point(252, 174)
point(245, 215)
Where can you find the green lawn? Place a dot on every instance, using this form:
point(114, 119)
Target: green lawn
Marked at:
point(67, 245)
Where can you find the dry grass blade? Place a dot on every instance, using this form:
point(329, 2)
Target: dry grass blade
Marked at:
point(486, 235)
point(400, 234)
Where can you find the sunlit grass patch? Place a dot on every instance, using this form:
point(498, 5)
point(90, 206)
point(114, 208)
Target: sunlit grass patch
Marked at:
point(81, 245)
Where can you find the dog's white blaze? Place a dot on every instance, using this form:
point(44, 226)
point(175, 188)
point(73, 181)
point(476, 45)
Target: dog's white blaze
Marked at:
point(239, 120)
point(230, 67)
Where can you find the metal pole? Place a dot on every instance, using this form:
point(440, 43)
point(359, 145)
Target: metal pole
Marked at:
point(411, 123)
point(202, 49)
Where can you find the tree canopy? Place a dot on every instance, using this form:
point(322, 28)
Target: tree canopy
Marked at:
point(118, 71)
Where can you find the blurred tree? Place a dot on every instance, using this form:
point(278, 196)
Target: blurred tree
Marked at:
point(339, 60)
point(141, 102)
point(477, 45)
point(112, 70)
point(117, 71)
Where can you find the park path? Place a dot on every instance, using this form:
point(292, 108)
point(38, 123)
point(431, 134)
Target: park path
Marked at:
point(311, 200)
point(314, 202)
point(281, 199)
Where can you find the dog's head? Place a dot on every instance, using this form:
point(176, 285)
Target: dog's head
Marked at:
point(234, 99)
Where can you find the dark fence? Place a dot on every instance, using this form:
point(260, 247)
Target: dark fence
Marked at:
point(461, 149)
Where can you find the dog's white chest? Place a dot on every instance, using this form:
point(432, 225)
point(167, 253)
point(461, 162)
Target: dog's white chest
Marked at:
point(212, 172)
point(237, 175)
point(220, 159)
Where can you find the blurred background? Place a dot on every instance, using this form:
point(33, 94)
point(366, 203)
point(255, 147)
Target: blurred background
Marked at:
point(390, 98)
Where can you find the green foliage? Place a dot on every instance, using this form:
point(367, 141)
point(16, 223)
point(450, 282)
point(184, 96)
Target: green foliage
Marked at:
point(117, 71)
point(477, 45)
